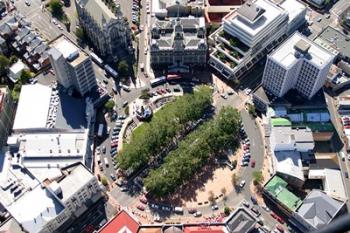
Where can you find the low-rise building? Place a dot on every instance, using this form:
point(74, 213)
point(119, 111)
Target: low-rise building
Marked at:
point(51, 205)
point(317, 210)
point(15, 71)
point(72, 66)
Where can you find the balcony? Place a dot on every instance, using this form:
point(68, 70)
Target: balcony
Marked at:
point(233, 41)
point(225, 59)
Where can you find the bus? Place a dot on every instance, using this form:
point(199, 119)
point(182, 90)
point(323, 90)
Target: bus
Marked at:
point(100, 130)
point(158, 81)
point(106, 161)
point(96, 59)
point(110, 71)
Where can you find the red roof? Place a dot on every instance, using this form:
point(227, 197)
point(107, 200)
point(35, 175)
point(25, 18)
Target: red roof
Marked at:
point(121, 223)
point(204, 229)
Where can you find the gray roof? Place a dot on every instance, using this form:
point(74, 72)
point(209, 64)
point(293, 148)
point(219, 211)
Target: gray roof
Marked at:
point(318, 209)
point(337, 39)
point(251, 11)
point(240, 221)
point(98, 11)
point(172, 229)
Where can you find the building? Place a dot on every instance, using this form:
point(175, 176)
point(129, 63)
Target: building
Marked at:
point(72, 66)
point(51, 205)
point(335, 42)
point(6, 114)
point(317, 210)
point(178, 42)
point(297, 64)
point(122, 222)
point(15, 71)
point(178, 35)
point(109, 32)
point(44, 153)
point(240, 220)
point(252, 31)
point(276, 190)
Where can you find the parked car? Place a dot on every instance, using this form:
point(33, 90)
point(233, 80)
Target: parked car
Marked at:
point(192, 210)
point(255, 211)
point(253, 199)
point(245, 203)
point(252, 164)
point(267, 209)
point(113, 177)
point(166, 208)
point(346, 174)
point(143, 200)
point(214, 207)
point(244, 163)
point(242, 183)
point(197, 214)
point(141, 207)
point(124, 189)
point(280, 228)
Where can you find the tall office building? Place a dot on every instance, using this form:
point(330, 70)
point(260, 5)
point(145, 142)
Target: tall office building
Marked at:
point(72, 66)
point(298, 63)
point(108, 31)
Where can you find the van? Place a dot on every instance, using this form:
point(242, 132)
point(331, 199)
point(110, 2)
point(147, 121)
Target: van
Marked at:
point(178, 210)
point(342, 155)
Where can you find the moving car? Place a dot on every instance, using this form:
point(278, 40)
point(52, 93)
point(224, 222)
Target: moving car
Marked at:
point(242, 183)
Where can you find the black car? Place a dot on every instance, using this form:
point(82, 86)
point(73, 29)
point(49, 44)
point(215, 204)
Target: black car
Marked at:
point(346, 174)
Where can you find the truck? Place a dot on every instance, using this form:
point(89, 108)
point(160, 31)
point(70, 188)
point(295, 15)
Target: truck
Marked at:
point(100, 130)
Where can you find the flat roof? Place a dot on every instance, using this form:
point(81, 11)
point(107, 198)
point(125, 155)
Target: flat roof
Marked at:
point(204, 229)
point(33, 215)
point(334, 185)
point(337, 39)
point(293, 7)
point(17, 67)
point(277, 187)
point(241, 220)
point(33, 107)
point(289, 163)
point(285, 53)
point(280, 122)
point(271, 12)
point(74, 181)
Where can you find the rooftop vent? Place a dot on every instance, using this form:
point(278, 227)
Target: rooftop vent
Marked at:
point(302, 46)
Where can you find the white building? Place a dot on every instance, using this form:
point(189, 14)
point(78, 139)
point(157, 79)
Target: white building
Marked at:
point(72, 66)
point(15, 71)
point(50, 205)
point(298, 63)
point(44, 153)
point(252, 31)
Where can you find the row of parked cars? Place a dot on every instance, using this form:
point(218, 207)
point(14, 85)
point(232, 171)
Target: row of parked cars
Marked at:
point(135, 11)
point(246, 149)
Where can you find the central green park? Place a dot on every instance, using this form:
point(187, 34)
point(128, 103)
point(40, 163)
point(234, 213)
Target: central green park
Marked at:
point(195, 146)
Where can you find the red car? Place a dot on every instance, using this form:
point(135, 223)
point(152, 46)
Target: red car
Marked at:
point(115, 144)
point(245, 147)
point(274, 215)
point(252, 164)
point(141, 207)
point(347, 127)
point(159, 92)
point(280, 220)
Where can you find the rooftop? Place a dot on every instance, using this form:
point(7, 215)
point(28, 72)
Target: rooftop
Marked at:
point(293, 7)
point(240, 221)
point(318, 209)
point(33, 215)
point(263, 12)
point(337, 40)
point(33, 105)
point(287, 55)
point(277, 187)
point(204, 229)
point(122, 222)
point(71, 52)
point(334, 185)
point(280, 122)
point(289, 163)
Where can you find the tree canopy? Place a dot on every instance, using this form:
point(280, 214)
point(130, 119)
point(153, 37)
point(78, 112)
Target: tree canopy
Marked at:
point(194, 152)
point(109, 105)
point(4, 63)
point(56, 8)
point(149, 139)
point(123, 68)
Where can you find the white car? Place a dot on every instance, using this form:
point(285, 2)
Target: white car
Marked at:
point(197, 214)
point(27, 2)
point(242, 183)
point(60, 27)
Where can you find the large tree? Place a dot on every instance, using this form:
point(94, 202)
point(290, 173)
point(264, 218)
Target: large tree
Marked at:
point(56, 8)
point(109, 105)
